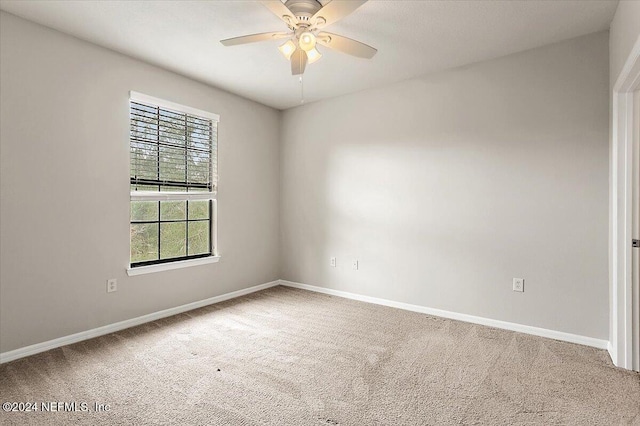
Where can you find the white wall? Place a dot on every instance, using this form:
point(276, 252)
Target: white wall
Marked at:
point(65, 192)
point(448, 186)
point(625, 30)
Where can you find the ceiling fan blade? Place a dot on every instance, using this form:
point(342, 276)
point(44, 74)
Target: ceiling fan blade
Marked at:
point(346, 45)
point(298, 62)
point(254, 38)
point(281, 11)
point(336, 10)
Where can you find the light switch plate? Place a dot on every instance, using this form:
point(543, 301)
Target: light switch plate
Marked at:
point(518, 284)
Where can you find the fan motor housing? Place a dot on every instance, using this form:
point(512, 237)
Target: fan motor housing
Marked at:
point(303, 9)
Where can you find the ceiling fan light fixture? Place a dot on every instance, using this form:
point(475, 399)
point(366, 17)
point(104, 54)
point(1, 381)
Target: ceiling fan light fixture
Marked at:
point(307, 41)
point(287, 49)
point(313, 55)
point(306, 20)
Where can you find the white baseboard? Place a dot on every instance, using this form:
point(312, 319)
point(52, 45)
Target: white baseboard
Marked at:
point(100, 331)
point(612, 354)
point(542, 332)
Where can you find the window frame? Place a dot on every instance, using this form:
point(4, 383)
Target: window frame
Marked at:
point(186, 261)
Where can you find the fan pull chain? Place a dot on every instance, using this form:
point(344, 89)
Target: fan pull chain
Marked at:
point(301, 91)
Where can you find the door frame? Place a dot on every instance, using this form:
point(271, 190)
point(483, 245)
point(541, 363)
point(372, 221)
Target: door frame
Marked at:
point(621, 209)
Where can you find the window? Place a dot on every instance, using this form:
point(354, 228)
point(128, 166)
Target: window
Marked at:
point(173, 181)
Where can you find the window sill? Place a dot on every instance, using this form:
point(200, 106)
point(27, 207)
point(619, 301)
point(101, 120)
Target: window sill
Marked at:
point(140, 270)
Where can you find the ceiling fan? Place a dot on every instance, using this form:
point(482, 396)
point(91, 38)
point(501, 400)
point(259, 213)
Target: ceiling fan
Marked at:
point(305, 19)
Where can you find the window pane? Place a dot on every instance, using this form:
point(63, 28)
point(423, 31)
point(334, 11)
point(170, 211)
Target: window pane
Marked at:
point(172, 128)
point(199, 209)
point(199, 166)
point(167, 136)
point(144, 242)
point(144, 160)
point(173, 210)
point(144, 211)
point(143, 126)
point(173, 240)
point(199, 139)
point(164, 188)
point(172, 164)
point(199, 237)
point(140, 108)
point(135, 187)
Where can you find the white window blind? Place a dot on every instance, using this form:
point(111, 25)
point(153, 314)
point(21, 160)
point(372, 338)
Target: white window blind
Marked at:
point(171, 150)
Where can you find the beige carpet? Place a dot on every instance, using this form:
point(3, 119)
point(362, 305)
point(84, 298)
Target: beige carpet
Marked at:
point(292, 357)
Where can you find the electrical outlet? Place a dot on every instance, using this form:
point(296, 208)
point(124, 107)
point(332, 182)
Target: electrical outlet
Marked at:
point(112, 285)
point(333, 262)
point(354, 264)
point(518, 284)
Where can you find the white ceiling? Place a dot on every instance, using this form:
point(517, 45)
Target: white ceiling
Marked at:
point(412, 37)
